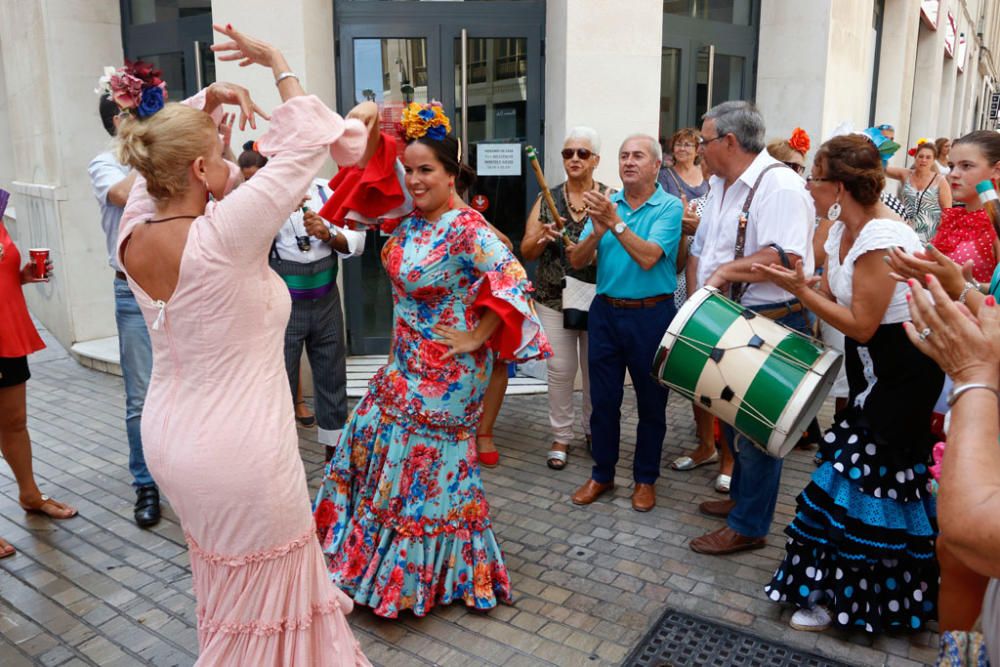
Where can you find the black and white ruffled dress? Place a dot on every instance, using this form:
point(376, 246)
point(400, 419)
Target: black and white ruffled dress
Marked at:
point(862, 541)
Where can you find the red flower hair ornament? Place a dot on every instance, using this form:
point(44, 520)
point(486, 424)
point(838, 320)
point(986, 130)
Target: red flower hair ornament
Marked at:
point(799, 141)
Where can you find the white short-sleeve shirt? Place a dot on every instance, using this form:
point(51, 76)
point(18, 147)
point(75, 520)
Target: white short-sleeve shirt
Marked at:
point(782, 213)
point(878, 234)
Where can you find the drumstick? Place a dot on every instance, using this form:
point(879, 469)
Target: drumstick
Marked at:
point(546, 193)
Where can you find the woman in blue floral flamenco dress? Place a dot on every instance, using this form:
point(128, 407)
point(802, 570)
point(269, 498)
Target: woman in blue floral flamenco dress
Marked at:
point(402, 516)
point(860, 551)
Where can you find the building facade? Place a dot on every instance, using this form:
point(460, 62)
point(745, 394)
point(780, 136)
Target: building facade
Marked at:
point(510, 73)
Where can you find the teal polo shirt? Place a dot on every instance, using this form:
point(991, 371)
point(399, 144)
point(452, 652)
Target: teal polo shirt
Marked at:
point(658, 220)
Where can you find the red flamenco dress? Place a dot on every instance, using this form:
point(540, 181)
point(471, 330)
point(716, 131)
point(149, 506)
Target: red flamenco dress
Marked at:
point(18, 336)
point(968, 235)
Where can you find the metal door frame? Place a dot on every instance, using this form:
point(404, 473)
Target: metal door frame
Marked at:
point(440, 24)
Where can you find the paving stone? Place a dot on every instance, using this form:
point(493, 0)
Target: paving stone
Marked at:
point(589, 581)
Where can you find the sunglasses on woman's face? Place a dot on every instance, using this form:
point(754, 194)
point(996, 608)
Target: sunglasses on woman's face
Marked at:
point(798, 168)
point(582, 153)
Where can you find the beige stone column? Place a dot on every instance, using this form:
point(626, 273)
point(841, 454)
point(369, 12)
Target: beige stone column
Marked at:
point(53, 54)
point(925, 114)
point(303, 30)
point(894, 99)
point(601, 70)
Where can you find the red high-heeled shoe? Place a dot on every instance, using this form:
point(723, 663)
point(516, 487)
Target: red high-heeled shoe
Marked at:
point(487, 459)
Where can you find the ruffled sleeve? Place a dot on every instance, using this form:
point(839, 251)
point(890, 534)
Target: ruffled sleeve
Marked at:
point(882, 234)
point(501, 286)
point(363, 195)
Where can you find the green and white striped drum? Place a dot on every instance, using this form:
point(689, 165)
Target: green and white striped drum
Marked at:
point(762, 378)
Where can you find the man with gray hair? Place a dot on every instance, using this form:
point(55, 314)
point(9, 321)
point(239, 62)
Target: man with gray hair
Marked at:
point(636, 278)
point(758, 211)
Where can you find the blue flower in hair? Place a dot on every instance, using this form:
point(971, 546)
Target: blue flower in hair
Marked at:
point(437, 133)
point(152, 101)
point(426, 114)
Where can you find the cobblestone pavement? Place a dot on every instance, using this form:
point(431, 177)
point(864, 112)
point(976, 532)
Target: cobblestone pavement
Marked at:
point(588, 581)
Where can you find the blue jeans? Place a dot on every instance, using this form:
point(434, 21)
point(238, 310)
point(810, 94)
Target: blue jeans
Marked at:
point(136, 359)
point(621, 338)
point(756, 475)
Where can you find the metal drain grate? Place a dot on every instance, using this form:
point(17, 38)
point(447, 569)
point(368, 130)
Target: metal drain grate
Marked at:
point(680, 640)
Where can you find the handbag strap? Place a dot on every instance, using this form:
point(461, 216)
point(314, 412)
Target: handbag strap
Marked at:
point(737, 289)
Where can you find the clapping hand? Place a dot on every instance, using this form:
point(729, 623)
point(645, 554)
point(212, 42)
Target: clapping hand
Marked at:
point(792, 281)
point(602, 210)
point(965, 348)
point(919, 265)
point(550, 232)
point(690, 220)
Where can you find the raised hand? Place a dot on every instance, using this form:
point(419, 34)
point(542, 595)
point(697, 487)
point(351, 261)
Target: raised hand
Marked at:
point(248, 50)
point(221, 92)
point(28, 273)
point(226, 130)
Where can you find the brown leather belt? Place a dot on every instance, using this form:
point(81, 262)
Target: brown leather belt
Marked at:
point(777, 313)
point(648, 302)
point(121, 275)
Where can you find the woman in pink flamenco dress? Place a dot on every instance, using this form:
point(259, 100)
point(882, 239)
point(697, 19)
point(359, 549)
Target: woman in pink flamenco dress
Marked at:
point(218, 426)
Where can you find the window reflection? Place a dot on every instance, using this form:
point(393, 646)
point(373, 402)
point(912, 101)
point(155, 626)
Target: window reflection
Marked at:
point(154, 11)
point(738, 12)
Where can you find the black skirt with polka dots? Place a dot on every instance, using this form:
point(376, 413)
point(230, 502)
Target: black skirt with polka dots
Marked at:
point(862, 541)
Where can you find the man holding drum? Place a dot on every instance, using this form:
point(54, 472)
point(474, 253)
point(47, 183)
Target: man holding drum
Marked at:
point(635, 232)
point(758, 211)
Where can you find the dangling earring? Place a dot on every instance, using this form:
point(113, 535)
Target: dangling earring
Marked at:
point(833, 212)
point(209, 197)
point(451, 197)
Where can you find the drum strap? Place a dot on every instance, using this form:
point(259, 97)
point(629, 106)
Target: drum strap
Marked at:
point(737, 289)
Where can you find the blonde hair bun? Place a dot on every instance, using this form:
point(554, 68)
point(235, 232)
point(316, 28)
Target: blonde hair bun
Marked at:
point(163, 146)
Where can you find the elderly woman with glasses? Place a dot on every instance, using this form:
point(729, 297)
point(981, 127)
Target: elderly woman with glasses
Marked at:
point(546, 243)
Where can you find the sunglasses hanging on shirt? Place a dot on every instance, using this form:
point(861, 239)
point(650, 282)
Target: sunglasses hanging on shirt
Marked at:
point(304, 243)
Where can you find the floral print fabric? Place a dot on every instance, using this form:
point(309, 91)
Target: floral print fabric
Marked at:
point(402, 516)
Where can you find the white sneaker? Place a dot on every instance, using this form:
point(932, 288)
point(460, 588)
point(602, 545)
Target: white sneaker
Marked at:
point(816, 619)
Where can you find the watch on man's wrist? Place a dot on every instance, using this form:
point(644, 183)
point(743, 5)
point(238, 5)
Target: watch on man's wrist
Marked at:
point(620, 227)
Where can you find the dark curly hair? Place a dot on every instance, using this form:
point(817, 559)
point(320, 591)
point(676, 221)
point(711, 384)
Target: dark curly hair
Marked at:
point(853, 160)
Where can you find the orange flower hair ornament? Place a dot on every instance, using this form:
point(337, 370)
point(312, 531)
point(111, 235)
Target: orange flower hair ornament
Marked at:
point(920, 142)
point(799, 141)
point(421, 120)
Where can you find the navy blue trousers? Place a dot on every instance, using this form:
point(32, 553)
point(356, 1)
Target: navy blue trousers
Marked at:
point(756, 476)
point(623, 338)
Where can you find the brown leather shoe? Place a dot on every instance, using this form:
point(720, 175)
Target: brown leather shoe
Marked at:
point(720, 509)
point(643, 497)
point(590, 492)
point(726, 541)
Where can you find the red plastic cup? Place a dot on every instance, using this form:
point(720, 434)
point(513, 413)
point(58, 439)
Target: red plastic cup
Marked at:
point(39, 256)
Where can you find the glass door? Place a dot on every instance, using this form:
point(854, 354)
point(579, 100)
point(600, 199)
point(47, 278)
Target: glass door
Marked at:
point(175, 40)
point(709, 55)
point(397, 53)
point(392, 72)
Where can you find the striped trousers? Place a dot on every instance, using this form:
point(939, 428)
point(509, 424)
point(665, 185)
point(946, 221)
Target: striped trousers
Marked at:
point(318, 324)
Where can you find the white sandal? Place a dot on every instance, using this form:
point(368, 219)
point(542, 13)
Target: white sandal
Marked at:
point(685, 463)
point(556, 459)
point(722, 483)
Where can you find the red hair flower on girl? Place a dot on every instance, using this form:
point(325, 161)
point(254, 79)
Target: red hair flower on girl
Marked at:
point(913, 151)
point(799, 141)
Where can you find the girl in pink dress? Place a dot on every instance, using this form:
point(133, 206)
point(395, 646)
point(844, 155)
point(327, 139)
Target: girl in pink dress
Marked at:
point(218, 428)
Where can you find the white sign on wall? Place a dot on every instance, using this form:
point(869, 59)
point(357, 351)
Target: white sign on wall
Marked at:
point(498, 159)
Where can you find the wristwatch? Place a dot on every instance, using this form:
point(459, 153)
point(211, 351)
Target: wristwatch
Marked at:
point(333, 233)
point(620, 227)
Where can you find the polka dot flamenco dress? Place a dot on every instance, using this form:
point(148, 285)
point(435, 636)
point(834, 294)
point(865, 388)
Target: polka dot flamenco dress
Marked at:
point(862, 541)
